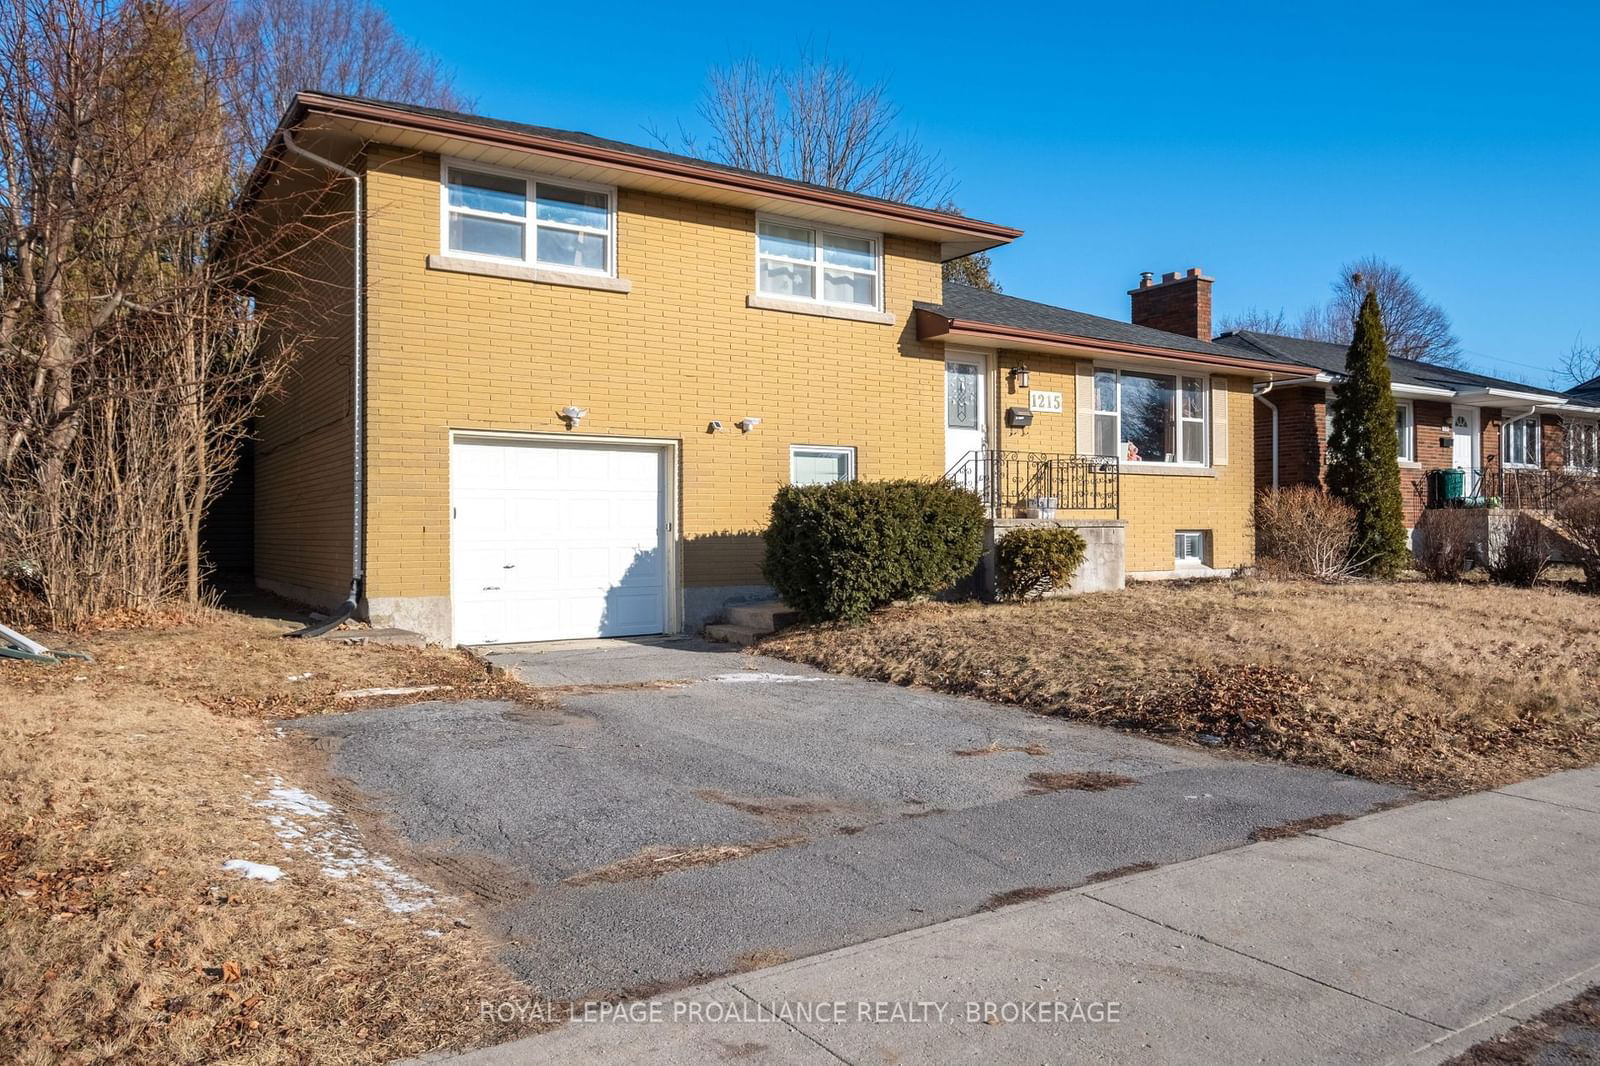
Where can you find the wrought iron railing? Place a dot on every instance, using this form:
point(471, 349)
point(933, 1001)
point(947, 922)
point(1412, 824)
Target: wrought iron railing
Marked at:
point(1037, 484)
point(1518, 488)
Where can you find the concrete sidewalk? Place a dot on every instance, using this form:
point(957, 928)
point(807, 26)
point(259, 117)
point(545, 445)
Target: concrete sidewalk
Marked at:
point(1404, 936)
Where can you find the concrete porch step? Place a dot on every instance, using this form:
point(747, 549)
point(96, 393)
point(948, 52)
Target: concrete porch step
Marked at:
point(730, 633)
point(767, 615)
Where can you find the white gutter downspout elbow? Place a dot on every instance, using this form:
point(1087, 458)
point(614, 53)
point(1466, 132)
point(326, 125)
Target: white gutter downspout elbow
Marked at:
point(1261, 394)
point(358, 553)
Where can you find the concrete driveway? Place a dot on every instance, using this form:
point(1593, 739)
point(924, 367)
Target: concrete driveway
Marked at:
point(689, 811)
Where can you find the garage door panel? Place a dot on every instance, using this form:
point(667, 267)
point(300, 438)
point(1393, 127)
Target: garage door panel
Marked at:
point(556, 540)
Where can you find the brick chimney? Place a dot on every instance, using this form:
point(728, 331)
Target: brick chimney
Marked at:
point(1178, 303)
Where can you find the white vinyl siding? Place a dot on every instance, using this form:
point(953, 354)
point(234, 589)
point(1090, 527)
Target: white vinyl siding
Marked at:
point(796, 262)
point(520, 218)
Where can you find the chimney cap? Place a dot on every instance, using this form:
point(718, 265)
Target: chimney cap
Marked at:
point(1147, 278)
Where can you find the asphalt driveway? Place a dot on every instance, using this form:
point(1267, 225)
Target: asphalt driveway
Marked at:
point(689, 811)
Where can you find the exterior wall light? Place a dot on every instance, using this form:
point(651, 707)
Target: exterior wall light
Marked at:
point(573, 415)
point(715, 426)
point(747, 423)
point(1019, 376)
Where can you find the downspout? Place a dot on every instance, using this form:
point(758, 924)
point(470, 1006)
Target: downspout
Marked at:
point(358, 554)
point(1261, 394)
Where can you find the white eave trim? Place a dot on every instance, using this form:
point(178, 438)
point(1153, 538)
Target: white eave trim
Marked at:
point(1481, 396)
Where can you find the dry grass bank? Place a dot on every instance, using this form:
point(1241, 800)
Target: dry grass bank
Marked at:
point(125, 784)
point(1445, 688)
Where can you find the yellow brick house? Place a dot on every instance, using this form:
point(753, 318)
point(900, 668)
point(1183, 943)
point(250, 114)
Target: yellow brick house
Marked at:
point(575, 371)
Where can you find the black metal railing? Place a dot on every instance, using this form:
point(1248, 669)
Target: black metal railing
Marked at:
point(1037, 484)
point(1515, 488)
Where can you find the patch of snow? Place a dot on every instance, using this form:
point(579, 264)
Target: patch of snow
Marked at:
point(295, 801)
point(254, 871)
point(755, 677)
point(307, 676)
point(335, 845)
point(362, 693)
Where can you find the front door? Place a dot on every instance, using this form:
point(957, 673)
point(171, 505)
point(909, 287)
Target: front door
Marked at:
point(1464, 444)
point(965, 427)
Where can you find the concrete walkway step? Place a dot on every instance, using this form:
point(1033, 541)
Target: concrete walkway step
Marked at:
point(729, 633)
point(768, 615)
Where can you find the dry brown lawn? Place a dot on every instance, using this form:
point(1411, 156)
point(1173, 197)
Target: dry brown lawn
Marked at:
point(1444, 688)
point(124, 785)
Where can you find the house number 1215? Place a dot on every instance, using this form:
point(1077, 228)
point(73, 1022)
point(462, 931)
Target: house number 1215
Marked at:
point(1045, 401)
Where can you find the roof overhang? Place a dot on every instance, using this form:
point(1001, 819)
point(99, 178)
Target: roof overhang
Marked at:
point(359, 121)
point(933, 326)
point(1423, 392)
point(1490, 396)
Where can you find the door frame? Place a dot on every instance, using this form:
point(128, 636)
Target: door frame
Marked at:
point(1476, 465)
point(987, 409)
point(670, 478)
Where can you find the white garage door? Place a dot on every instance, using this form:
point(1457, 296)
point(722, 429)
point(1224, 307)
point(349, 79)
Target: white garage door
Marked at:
point(554, 541)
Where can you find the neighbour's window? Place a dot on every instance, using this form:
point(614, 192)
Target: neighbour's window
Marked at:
point(1583, 445)
point(1150, 418)
point(799, 263)
point(1404, 427)
point(810, 465)
point(1189, 547)
point(1519, 442)
point(564, 226)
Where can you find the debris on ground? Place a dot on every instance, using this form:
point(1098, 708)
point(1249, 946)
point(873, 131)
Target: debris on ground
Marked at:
point(1078, 781)
point(657, 861)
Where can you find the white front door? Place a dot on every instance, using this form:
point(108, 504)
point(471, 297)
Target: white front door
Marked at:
point(1464, 443)
point(965, 424)
point(551, 540)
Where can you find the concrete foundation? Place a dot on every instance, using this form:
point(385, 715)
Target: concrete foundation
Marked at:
point(1104, 566)
point(427, 615)
point(703, 604)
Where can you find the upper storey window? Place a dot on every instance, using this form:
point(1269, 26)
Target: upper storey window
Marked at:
point(796, 262)
point(502, 215)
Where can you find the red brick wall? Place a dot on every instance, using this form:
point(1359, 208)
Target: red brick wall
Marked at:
point(1175, 304)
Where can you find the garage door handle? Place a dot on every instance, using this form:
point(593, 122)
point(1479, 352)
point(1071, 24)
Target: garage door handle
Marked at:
point(491, 588)
point(509, 566)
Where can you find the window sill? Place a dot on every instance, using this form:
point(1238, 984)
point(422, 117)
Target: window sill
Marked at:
point(807, 307)
point(1410, 464)
point(518, 272)
point(1167, 470)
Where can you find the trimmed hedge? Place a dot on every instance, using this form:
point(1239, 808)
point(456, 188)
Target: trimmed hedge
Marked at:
point(1035, 559)
point(837, 551)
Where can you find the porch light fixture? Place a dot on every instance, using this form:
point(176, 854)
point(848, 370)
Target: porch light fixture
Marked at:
point(573, 415)
point(1019, 376)
point(746, 424)
point(715, 426)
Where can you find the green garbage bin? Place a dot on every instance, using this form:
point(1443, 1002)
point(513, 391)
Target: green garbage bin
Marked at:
point(1446, 487)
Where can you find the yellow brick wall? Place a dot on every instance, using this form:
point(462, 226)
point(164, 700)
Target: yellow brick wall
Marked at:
point(1155, 505)
point(459, 351)
point(304, 462)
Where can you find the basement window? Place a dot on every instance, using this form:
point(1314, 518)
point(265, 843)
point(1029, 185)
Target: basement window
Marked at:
point(507, 216)
point(816, 465)
point(1189, 547)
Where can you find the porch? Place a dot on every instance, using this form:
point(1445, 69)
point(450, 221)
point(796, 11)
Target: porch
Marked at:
point(1510, 488)
point(1040, 485)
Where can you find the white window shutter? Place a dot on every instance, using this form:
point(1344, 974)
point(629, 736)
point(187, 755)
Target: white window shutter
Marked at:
point(1219, 421)
point(1085, 395)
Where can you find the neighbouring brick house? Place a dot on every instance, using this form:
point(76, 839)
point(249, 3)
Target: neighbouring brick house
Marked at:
point(1512, 439)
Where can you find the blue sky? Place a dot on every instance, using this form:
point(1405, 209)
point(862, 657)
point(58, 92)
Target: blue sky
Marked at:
point(1267, 143)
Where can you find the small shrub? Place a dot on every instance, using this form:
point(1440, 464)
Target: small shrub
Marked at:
point(1578, 519)
point(1035, 559)
point(837, 551)
point(1446, 536)
point(1522, 559)
point(1304, 532)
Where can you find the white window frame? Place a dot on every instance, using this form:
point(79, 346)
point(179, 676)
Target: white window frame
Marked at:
point(1407, 439)
point(1593, 427)
point(1177, 374)
point(1178, 537)
point(1538, 443)
point(530, 194)
point(816, 262)
point(846, 450)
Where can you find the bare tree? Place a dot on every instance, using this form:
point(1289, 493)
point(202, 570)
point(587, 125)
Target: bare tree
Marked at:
point(1257, 320)
point(814, 121)
point(1581, 363)
point(129, 354)
point(1415, 327)
point(268, 50)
